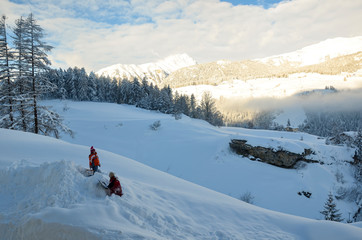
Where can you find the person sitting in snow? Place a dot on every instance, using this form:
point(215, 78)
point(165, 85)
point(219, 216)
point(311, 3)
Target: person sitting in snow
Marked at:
point(93, 160)
point(114, 186)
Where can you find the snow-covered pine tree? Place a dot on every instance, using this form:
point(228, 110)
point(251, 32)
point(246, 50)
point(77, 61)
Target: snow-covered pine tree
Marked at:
point(136, 92)
point(330, 211)
point(193, 106)
point(113, 95)
point(82, 85)
point(60, 82)
point(37, 58)
point(22, 84)
point(70, 84)
point(181, 104)
point(92, 87)
point(358, 156)
point(7, 94)
point(165, 100)
point(125, 92)
point(31, 83)
point(145, 101)
point(57, 78)
point(153, 97)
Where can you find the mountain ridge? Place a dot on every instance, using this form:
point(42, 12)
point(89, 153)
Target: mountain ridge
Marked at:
point(317, 53)
point(153, 72)
point(181, 70)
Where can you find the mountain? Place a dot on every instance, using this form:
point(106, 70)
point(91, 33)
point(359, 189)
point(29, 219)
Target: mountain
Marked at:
point(44, 196)
point(317, 53)
point(333, 57)
point(153, 72)
point(329, 56)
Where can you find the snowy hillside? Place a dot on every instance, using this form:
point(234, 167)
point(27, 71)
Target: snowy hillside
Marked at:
point(273, 84)
point(276, 87)
point(318, 53)
point(44, 196)
point(154, 72)
point(198, 152)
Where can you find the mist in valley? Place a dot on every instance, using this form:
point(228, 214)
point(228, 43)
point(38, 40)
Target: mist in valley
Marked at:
point(329, 106)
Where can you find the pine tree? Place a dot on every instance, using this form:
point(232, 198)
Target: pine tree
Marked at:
point(113, 90)
point(82, 85)
point(165, 100)
point(38, 60)
point(6, 84)
point(193, 106)
point(125, 92)
point(92, 87)
point(330, 211)
point(358, 156)
point(30, 65)
point(21, 76)
point(209, 111)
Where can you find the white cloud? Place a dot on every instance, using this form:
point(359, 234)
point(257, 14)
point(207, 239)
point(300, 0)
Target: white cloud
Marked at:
point(99, 36)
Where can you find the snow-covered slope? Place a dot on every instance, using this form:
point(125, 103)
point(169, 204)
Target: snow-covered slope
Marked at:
point(43, 196)
point(198, 152)
point(317, 53)
point(154, 72)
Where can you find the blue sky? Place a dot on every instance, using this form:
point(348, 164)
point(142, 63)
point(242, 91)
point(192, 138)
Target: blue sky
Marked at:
point(99, 33)
point(264, 3)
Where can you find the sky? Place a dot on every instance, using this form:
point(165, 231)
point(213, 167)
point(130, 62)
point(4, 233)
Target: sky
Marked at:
point(98, 33)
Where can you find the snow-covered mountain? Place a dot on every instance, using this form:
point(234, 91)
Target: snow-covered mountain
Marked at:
point(273, 83)
point(153, 72)
point(317, 53)
point(332, 57)
point(44, 196)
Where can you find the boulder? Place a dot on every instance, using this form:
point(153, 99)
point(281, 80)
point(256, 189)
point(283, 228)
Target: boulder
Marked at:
point(280, 158)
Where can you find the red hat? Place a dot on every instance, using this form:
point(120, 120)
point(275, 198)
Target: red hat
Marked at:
point(92, 149)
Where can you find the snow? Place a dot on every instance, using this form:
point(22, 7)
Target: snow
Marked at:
point(318, 53)
point(159, 69)
point(275, 87)
point(282, 94)
point(43, 194)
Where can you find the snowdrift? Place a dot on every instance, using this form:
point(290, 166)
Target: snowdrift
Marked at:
point(44, 196)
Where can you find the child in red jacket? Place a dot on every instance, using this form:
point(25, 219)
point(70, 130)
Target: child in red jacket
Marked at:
point(114, 186)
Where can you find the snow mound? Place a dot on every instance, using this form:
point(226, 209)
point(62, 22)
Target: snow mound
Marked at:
point(32, 188)
point(29, 188)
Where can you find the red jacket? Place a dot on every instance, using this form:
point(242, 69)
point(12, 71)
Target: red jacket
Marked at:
point(115, 187)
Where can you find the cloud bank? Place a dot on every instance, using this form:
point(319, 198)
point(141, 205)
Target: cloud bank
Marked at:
point(95, 34)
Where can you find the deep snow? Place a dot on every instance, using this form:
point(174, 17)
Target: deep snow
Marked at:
point(198, 152)
point(44, 196)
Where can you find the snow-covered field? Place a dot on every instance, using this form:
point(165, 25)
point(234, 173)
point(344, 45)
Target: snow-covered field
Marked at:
point(43, 195)
point(276, 87)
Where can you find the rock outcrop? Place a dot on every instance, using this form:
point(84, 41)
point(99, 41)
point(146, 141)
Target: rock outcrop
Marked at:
point(280, 158)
